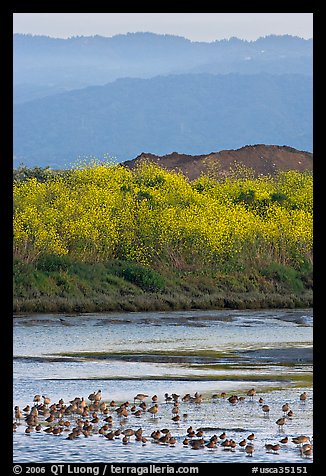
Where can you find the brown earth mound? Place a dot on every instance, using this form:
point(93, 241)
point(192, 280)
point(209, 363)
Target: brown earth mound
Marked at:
point(262, 159)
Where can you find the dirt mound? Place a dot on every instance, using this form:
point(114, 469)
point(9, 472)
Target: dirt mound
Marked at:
point(263, 159)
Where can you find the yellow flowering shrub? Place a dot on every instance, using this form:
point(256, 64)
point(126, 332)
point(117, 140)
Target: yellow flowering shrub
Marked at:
point(102, 211)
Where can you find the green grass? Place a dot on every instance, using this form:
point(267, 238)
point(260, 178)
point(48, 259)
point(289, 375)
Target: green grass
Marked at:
point(61, 284)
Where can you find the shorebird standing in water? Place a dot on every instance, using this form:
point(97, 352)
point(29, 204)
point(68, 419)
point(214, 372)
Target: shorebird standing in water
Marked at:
point(265, 409)
point(153, 410)
point(285, 408)
point(249, 449)
point(140, 397)
point(251, 393)
point(280, 422)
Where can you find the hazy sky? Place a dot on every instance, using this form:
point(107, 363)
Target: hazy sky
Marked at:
point(195, 26)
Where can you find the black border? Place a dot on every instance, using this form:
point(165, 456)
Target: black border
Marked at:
point(6, 268)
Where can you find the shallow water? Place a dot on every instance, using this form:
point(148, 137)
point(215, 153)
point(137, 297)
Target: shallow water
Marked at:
point(154, 353)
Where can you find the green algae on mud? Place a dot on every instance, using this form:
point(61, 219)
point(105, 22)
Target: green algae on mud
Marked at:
point(157, 356)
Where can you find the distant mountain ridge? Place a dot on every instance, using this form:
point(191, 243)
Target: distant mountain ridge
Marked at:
point(188, 113)
point(56, 64)
point(261, 158)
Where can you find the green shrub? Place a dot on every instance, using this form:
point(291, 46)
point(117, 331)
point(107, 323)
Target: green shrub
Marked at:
point(284, 274)
point(146, 278)
point(52, 262)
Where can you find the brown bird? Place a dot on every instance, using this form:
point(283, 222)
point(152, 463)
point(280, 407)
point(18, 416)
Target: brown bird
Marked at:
point(261, 400)
point(175, 409)
point(156, 435)
point(280, 422)
point(98, 396)
point(198, 399)
point(186, 442)
point(251, 437)
point(144, 440)
point(269, 446)
point(154, 398)
point(46, 400)
point(285, 408)
point(222, 436)
point(140, 397)
point(139, 432)
point(307, 446)
point(128, 432)
point(251, 393)
point(249, 449)
point(196, 444)
point(223, 394)
point(176, 418)
point(299, 440)
point(172, 441)
point(37, 398)
point(110, 435)
point(290, 414)
point(186, 397)
point(276, 447)
point(191, 432)
point(153, 410)
point(165, 438)
point(18, 414)
point(265, 409)
point(233, 399)
point(211, 445)
point(285, 440)
point(226, 444)
point(303, 396)
point(167, 398)
point(243, 443)
point(307, 453)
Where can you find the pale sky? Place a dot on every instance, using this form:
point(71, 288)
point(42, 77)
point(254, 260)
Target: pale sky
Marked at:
point(194, 26)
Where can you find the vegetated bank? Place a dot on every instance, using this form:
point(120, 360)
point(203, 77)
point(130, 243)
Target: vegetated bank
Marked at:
point(101, 237)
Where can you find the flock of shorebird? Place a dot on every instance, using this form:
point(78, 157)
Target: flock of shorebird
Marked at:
point(86, 417)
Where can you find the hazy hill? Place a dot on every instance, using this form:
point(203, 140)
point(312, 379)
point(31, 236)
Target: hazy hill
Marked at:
point(44, 65)
point(188, 113)
point(263, 159)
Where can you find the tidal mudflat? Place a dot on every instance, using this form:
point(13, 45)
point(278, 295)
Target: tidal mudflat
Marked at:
point(206, 353)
